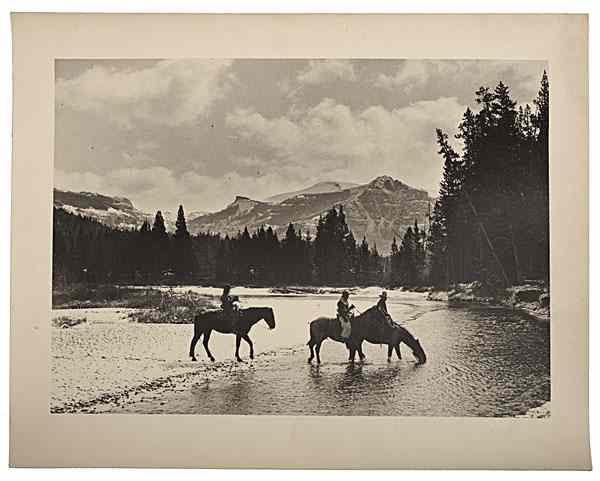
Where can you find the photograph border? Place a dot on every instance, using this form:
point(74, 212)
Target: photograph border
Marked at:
point(40, 439)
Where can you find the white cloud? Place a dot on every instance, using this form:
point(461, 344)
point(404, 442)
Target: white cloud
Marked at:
point(332, 141)
point(323, 71)
point(159, 188)
point(172, 92)
point(414, 74)
point(410, 74)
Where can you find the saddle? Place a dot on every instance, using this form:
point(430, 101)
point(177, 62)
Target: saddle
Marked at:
point(345, 325)
point(230, 318)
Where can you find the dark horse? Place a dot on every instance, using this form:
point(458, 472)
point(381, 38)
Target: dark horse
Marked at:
point(369, 326)
point(210, 321)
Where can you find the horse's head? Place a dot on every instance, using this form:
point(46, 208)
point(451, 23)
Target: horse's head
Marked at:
point(418, 351)
point(269, 318)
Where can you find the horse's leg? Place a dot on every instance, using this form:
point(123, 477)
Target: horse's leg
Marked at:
point(238, 340)
point(318, 349)
point(311, 347)
point(361, 354)
point(205, 343)
point(195, 340)
point(390, 350)
point(246, 338)
point(397, 348)
point(351, 353)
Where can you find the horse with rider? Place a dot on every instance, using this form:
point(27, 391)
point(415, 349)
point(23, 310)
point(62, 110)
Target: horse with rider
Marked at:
point(375, 325)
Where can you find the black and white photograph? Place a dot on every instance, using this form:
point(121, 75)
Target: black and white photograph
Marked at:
point(329, 237)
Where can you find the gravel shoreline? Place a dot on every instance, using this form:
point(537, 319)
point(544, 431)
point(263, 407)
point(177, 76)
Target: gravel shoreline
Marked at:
point(539, 412)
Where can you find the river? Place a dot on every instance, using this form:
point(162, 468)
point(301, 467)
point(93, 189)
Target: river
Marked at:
point(480, 362)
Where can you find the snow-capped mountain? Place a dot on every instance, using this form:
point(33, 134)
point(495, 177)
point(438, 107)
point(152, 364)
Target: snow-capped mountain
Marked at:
point(118, 212)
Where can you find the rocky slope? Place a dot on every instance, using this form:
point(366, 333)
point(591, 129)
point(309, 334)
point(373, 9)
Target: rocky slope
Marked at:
point(380, 210)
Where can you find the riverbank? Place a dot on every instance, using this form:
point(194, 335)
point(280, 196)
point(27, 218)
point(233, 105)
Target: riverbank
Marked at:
point(532, 299)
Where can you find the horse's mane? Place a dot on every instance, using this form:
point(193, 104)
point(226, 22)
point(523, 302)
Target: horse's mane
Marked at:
point(397, 326)
point(404, 331)
point(372, 308)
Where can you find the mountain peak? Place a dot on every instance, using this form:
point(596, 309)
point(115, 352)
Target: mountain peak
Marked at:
point(241, 198)
point(385, 182)
point(244, 204)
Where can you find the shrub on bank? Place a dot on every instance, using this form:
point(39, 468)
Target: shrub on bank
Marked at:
point(174, 308)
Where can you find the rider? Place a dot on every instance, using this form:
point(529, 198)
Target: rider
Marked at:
point(382, 307)
point(344, 313)
point(229, 306)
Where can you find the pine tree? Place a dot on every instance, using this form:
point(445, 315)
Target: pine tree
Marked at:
point(292, 256)
point(158, 229)
point(408, 258)
point(160, 247)
point(181, 231)
point(184, 260)
point(396, 273)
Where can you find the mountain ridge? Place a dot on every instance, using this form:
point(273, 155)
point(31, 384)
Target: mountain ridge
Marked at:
point(318, 188)
point(379, 211)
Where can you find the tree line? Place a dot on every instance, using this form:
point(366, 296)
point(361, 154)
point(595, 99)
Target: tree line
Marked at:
point(87, 251)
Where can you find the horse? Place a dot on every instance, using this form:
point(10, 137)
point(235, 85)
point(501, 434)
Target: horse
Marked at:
point(206, 322)
point(369, 326)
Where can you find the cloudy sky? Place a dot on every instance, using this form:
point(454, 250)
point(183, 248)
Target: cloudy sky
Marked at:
point(200, 132)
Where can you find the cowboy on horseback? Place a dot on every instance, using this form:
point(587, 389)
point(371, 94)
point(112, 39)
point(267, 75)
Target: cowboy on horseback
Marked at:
point(345, 314)
point(382, 308)
point(230, 306)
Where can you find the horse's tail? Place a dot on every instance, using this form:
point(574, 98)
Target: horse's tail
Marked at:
point(310, 332)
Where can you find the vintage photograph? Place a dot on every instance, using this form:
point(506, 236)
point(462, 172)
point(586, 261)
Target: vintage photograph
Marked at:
point(343, 237)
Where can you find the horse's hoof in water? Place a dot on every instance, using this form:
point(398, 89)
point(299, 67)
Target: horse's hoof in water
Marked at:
point(212, 359)
point(239, 359)
point(389, 359)
point(194, 358)
point(310, 360)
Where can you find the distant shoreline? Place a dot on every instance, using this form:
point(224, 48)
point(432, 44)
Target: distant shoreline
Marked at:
point(533, 301)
